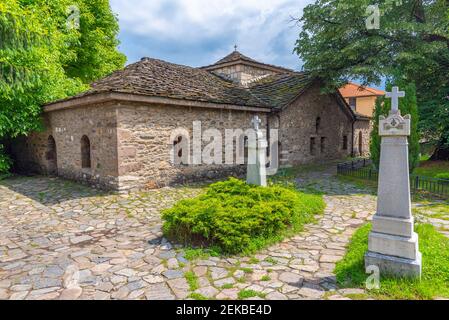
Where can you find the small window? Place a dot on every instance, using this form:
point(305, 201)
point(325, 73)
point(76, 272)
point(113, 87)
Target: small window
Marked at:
point(323, 144)
point(85, 153)
point(317, 125)
point(312, 146)
point(361, 151)
point(179, 149)
point(345, 142)
point(51, 156)
point(353, 103)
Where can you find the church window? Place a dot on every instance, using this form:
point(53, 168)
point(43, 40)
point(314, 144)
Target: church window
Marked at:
point(317, 124)
point(345, 142)
point(323, 144)
point(312, 146)
point(176, 143)
point(85, 153)
point(361, 151)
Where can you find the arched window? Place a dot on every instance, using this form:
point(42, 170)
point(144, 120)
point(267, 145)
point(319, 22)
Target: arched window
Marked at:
point(51, 156)
point(317, 125)
point(361, 143)
point(177, 147)
point(85, 153)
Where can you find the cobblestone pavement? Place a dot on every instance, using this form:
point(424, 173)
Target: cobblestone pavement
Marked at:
point(60, 240)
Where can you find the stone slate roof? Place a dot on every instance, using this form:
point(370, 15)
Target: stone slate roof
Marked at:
point(237, 56)
point(157, 78)
point(281, 89)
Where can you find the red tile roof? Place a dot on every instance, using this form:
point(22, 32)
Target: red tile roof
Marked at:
point(352, 90)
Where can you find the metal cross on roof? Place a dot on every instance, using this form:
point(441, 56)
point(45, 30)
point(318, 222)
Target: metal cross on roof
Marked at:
point(395, 94)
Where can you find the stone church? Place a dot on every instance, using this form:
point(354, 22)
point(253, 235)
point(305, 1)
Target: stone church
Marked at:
point(117, 136)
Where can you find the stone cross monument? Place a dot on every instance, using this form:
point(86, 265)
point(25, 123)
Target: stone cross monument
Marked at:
point(393, 244)
point(257, 146)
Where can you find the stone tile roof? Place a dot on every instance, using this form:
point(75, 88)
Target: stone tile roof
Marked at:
point(157, 78)
point(235, 56)
point(239, 57)
point(281, 89)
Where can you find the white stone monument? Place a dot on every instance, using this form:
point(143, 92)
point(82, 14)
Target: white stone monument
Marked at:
point(257, 148)
point(393, 244)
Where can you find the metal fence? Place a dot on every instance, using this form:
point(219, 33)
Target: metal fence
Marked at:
point(363, 169)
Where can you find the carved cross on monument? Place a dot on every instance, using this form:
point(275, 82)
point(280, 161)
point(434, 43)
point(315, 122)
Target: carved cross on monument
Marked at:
point(256, 122)
point(395, 94)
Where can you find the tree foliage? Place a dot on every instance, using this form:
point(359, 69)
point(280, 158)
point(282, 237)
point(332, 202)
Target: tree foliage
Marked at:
point(43, 58)
point(412, 39)
point(407, 105)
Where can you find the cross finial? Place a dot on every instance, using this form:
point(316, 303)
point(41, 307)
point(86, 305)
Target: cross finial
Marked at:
point(395, 94)
point(235, 47)
point(256, 122)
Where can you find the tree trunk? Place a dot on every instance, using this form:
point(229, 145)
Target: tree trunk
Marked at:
point(441, 152)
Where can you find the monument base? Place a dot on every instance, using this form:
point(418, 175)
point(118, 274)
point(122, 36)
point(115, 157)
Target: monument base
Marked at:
point(394, 266)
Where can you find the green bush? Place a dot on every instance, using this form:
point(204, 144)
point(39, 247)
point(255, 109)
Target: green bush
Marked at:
point(5, 162)
point(240, 218)
point(444, 175)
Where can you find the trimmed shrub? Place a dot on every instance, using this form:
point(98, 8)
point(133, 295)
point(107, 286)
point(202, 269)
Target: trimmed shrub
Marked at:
point(444, 175)
point(240, 218)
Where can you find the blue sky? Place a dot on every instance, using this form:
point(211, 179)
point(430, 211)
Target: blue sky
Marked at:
point(199, 32)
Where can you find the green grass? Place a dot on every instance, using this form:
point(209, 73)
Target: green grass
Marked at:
point(197, 296)
point(246, 294)
point(265, 278)
point(253, 260)
point(227, 286)
point(437, 210)
point(247, 270)
point(235, 217)
point(192, 280)
point(435, 169)
point(271, 260)
point(193, 254)
point(350, 271)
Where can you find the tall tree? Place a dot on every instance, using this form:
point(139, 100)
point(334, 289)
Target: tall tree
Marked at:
point(341, 40)
point(39, 50)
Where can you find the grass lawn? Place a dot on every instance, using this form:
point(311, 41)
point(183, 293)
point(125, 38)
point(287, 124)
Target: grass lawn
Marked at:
point(434, 247)
point(435, 169)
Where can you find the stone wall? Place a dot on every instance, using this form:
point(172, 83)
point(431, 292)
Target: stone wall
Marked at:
point(313, 118)
point(362, 129)
point(67, 127)
point(145, 146)
point(131, 143)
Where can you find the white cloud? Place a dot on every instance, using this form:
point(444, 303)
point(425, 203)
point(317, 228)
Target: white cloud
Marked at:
point(261, 28)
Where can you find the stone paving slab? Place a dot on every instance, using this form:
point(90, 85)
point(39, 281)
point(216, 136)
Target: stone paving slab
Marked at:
point(60, 240)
